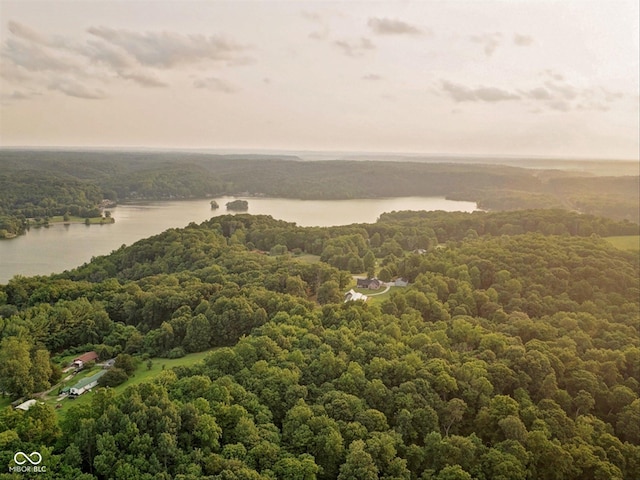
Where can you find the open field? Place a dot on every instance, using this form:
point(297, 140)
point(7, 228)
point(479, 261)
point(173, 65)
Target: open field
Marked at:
point(626, 242)
point(376, 296)
point(307, 258)
point(59, 220)
point(142, 374)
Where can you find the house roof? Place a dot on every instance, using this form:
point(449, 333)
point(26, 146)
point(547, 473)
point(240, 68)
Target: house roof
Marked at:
point(353, 295)
point(87, 380)
point(86, 357)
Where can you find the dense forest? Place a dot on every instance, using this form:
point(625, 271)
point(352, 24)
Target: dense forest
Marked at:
point(48, 183)
point(512, 354)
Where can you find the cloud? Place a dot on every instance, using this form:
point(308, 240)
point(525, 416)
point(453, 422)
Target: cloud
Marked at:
point(26, 33)
point(74, 89)
point(143, 79)
point(311, 16)
point(372, 77)
point(558, 95)
point(36, 58)
point(100, 52)
point(355, 48)
point(215, 84)
point(89, 65)
point(559, 105)
point(490, 41)
point(522, 40)
point(564, 90)
point(553, 75)
point(461, 93)
point(168, 49)
point(388, 26)
point(538, 93)
point(319, 34)
point(15, 95)
point(323, 33)
point(610, 96)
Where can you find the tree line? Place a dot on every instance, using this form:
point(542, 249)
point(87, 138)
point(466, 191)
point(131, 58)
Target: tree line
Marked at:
point(512, 354)
point(46, 183)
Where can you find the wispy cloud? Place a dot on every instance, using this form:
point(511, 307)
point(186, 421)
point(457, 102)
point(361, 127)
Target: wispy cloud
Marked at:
point(35, 57)
point(215, 84)
point(388, 26)
point(372, 77)
point(168, 49)
point(489, 41)
point(16, 95)
point(539, 93)
point(89, 65)
point(550, 95)
point(321, 22)
point(75, 89)
point(355, 48)
point(461, 93)
point(26, 33)
point(143, 79)
point(522, 40)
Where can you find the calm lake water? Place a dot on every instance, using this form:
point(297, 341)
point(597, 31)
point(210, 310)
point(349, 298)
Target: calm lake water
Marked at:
point(62, 247)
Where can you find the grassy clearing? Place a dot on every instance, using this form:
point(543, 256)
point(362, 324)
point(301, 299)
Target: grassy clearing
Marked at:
point(141, 375)
point(58, 219)
point(368, 291)
point(376, 296)
point(626, 242)
point(382, 297)
point(307, 258)
point(4, 402)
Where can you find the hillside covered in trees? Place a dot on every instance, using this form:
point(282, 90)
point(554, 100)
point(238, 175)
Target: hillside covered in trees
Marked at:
point(46, 183)
point(512, 354)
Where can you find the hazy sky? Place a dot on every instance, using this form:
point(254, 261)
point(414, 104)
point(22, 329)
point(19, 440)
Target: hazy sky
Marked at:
point(552, 78)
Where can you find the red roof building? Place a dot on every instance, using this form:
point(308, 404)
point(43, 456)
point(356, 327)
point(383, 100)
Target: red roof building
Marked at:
point(86, 357)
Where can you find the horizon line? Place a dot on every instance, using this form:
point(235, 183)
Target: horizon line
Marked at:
point(254, 150)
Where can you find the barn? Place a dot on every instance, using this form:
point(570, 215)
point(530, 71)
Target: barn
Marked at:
point(84, 358)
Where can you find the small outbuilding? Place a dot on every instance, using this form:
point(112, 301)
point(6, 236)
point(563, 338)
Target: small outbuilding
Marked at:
point(109, 363)
point(26, 405)
point(401, 282)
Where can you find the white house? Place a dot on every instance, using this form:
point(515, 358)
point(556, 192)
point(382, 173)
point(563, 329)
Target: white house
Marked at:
point(86, 384)
point(352, 295)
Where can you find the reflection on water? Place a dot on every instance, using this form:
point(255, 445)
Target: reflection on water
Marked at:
point(61, 247)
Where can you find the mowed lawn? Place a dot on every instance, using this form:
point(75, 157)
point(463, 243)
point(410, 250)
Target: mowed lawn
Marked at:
point(626, 242)
point(141, 375)
point(376, 296)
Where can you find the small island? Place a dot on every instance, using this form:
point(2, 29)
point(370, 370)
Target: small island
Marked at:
point(238, 205)
point(214, 205)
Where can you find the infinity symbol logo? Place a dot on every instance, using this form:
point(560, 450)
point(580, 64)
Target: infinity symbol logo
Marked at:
point(31, 458)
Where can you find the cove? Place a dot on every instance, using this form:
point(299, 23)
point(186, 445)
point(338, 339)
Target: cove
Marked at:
point(42, 251)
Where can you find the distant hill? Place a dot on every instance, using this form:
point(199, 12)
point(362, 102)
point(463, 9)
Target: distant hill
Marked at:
point(46, 183)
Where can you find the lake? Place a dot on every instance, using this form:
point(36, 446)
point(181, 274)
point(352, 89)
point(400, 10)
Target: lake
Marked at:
point(62, 247)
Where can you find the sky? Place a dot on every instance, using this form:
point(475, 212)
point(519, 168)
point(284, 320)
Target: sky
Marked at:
point(519, 77)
